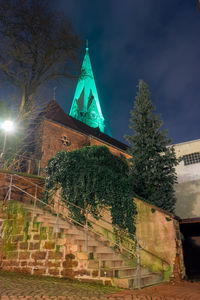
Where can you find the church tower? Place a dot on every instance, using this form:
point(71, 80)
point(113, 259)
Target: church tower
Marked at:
point(86, 106)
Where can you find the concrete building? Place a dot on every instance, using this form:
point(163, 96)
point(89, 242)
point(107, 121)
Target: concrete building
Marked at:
point(188, 171)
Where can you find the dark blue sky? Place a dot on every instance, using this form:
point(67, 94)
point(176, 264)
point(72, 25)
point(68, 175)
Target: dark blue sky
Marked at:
point(157, 41)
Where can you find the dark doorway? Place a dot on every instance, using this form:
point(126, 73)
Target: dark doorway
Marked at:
point(190, 229)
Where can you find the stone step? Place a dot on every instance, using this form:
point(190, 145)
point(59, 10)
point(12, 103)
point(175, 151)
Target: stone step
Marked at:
point(81, 248)
point(108, 264)
point(75, 236)
point(91, 242)
point(125, 272)
point(108, 256)
point(122, 272)
point(131, 282)
point(93, 264)
point(104, 250)
point(146, 280)
point(97, 280)
point(112, 263)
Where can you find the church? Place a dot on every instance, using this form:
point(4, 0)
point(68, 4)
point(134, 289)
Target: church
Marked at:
point(84, 126)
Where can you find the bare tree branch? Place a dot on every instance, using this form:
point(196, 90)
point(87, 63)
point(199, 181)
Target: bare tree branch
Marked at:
point(37, 45)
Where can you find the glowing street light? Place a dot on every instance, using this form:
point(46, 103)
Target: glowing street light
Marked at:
point(7, 126)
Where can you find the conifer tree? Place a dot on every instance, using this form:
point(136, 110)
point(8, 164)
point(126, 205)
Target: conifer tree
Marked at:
point(153, 161)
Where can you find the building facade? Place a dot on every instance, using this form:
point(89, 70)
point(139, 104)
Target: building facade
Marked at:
point(84, 126)
point(188, 172)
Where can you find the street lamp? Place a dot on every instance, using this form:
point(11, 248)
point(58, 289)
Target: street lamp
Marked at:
point(7, 126)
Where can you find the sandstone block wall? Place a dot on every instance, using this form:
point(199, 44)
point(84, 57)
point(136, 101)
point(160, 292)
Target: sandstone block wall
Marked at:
point(53, 140)
point(29, 246)
point(159, 232)
point(159, 235)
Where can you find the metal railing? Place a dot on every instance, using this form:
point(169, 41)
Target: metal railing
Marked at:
point(22, 164)
point(62, 212)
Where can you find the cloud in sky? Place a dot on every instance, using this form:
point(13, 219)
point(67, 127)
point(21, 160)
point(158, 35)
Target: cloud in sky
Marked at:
point(157, 41)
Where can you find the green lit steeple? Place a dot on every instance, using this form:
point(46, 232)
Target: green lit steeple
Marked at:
point(86, 106)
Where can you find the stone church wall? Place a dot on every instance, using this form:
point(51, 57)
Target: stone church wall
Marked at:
point(115, 151)
point(56, 137)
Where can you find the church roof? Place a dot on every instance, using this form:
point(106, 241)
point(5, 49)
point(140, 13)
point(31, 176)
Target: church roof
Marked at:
point(55, 113)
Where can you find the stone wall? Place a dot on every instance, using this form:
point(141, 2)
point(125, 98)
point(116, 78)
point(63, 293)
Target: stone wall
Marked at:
point(159, 235)
point(25, 183)
point(28, 246)
point(188, 199)
point(30, 243)
point(188, 188)
point(188, 172)
point(56, 137)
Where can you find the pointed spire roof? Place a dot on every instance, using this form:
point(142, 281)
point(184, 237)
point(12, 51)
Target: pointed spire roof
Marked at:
point(86, 106)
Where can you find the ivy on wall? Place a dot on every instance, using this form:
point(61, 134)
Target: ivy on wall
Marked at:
point(93, 178)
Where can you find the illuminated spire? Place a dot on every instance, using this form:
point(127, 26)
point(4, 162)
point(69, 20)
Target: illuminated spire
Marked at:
point(86, 106)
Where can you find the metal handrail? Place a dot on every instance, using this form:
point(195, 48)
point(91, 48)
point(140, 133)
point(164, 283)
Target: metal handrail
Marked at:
point(115, 226)
point(71, 219)
point(135, 241)
point(21, 157)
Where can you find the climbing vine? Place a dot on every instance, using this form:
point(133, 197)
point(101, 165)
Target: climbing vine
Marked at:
point(93, 178)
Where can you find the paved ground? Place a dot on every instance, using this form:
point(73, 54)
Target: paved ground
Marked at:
point(178, 291)
point(18, 286)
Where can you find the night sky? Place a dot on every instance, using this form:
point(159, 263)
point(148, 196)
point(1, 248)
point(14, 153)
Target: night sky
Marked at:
point(154, 40)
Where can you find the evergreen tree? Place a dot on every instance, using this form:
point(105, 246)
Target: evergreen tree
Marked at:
point(153, 162)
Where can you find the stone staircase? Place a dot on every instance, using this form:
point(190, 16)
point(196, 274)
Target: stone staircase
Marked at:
point(101, 262)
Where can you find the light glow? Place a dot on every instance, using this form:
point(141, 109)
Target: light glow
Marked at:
point(8, 126)
point(86, 105)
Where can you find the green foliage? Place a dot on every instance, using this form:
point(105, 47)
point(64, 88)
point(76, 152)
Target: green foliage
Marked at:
point(153, 162)
point(92, 178)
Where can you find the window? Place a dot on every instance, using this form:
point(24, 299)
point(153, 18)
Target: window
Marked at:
point(65, 141)
point(192, 158)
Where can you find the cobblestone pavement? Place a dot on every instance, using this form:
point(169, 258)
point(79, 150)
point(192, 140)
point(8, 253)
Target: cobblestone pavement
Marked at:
point(172, 291)
point(18, 286)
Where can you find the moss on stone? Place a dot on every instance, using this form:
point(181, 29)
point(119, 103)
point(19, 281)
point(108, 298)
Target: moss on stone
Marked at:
point(15, 215)
point(168, 273)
